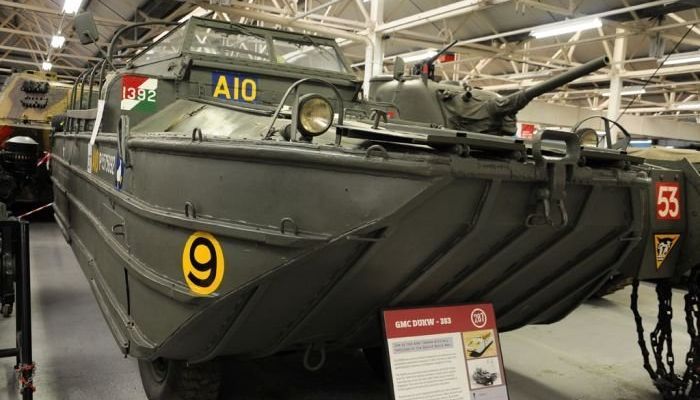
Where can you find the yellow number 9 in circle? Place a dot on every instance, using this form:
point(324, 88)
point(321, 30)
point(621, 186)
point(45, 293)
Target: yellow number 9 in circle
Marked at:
point(203, 263)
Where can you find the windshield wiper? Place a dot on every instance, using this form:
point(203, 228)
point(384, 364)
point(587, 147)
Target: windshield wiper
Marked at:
point(320, 47)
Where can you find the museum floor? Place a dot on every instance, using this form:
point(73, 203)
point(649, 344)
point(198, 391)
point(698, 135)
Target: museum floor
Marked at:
point(592, 354)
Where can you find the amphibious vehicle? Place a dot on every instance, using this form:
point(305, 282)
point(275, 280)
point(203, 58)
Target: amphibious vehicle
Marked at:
point(231, 192)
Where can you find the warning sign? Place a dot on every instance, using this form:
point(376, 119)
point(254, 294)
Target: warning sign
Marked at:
point(445, 353)
point(663, 244)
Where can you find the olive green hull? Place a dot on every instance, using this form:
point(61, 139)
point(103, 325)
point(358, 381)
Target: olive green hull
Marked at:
point(318, 239)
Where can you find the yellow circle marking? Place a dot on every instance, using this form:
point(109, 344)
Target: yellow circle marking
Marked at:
point(203, 263)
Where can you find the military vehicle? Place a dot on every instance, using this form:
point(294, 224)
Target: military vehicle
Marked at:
point(476, 346)
point(232, 193)
point(28, 102)
point(484, 377)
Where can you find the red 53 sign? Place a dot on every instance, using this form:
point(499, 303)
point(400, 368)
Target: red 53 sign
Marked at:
point(668, 200)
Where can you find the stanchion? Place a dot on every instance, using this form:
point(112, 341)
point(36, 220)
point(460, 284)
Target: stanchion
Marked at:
point(14, 243)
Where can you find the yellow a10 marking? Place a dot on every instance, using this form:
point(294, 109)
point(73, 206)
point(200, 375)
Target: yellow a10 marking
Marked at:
point(203, 263)
point(234, 86)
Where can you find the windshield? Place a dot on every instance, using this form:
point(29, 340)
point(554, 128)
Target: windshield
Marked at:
point(169, 46)
point(229, 43)
point(308, 54)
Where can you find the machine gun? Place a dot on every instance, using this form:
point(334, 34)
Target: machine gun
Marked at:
point(426, 68)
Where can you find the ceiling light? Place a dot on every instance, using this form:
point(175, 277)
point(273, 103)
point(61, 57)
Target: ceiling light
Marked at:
point(418, 55)
point(683, 58)
point(46, 66)
point(628, 91)
point(57, 41)
point(71, 6)
point(691, 105)
point(568, 26)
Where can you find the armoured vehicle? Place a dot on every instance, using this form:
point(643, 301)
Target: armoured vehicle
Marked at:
point(28, 102)
point(230, 193)
point(483, 377)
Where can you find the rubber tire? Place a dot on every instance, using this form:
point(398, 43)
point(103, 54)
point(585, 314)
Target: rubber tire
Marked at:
point(175, 380)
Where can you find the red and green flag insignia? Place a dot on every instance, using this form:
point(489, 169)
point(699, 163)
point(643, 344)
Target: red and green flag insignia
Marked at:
point(139, 93)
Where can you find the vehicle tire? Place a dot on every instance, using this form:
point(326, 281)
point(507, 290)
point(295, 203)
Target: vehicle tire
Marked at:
point(376, 361)
point(176, 380)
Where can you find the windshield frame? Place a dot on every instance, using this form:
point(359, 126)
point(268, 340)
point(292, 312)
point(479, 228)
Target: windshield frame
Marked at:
point(138, 59)
point(270, 35)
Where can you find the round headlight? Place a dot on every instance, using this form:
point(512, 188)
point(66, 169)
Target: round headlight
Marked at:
point(315, 115)
point(588, 136)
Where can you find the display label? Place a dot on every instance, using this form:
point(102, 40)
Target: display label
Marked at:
point(668, 203)
point(139, 93)
point(234, 86)
point(445, 353)
point(663, 244)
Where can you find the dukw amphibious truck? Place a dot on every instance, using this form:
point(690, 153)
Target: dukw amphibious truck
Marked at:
point(229, 193)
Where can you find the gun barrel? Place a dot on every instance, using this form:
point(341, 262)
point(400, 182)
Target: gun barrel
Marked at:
point(441, 52)
point(566, 77)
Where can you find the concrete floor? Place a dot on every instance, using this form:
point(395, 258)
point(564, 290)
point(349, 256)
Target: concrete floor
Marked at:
point(592, 354)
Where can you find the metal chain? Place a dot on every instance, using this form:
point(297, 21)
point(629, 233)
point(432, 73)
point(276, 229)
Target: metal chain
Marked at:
point(691, 378)
point(671, 385)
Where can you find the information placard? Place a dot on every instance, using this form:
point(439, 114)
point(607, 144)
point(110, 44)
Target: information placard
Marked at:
point(445, 353)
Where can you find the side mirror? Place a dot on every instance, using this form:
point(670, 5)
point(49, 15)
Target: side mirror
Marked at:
point(85, 28)
point(398, 68)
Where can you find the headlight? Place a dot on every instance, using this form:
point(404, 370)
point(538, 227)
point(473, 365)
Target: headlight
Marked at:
point(315, 115)
point(588, 137)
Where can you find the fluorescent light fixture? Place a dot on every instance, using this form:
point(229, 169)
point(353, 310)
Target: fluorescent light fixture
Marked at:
point(683, 58)
point(690, 105)
point(418, 55)
point(72, 6)
point(628, 91)
point(57, 41)
point(46, 66)
point(568, 26)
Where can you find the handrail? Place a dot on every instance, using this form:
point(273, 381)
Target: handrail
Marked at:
point(110, 48)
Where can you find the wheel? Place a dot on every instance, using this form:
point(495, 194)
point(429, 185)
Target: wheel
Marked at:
point(6, 310)
point(175, 380)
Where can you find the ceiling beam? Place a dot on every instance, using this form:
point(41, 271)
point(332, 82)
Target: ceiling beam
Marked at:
point(599, 15)
point(43, 52)
point(438, 14)
point(42, 35)
point(38, 64)
point(639, 74)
